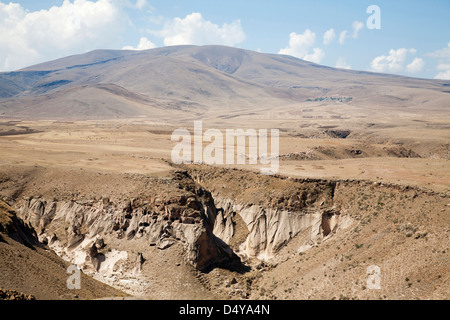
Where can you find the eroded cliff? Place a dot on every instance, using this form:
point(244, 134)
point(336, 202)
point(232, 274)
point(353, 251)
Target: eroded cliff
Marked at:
point(232, 226)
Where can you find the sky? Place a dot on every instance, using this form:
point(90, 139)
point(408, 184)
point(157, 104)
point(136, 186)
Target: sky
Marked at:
point(409, 38)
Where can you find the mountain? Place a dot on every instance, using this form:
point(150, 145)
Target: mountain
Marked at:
point(193, 81)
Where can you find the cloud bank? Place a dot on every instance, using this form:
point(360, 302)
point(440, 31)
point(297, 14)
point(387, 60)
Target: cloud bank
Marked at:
point(301, 46)
point(194, 29)
point(144, 44)
point(396, 62)
point(443, 66)
point(79, 26)
point(31, 37)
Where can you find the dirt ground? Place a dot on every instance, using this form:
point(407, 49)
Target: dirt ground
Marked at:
point(410, 152)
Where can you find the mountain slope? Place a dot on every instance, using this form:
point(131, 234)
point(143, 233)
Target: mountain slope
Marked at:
point(195, 80)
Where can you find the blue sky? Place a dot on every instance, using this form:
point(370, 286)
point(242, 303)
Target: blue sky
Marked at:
point(414, 38)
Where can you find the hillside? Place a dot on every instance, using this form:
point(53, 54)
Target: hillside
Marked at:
point(194, 81)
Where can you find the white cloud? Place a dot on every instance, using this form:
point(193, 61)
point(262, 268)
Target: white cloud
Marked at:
point(134, 4)
point(316, 56)
point(441, 54)
point(194, 29)
point(342, 64)
point(443, 66)
point(343, 36)
point(357, 26)
point(73, 27)
point(141, 4)
point(300, 46)
point(329, 36)
point(444, 75)
point(415, 66)
point(395, 61)
point(444, 62)
point(144, 44)
point(445, 71)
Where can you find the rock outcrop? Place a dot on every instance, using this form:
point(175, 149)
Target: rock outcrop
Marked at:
point(214, 230)
point(271, 222)
point(269, 229)
point(78, 225)
point(15, 228)
point(29, 266)
point(14, 295)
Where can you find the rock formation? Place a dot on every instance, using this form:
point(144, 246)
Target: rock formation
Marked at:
point(83, 225)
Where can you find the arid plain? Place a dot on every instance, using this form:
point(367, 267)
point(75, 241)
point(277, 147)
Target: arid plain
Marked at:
point(396, 151)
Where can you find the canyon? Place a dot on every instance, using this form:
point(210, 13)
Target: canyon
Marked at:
point(231, 238)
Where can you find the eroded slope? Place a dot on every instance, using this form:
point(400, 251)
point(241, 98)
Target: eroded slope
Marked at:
point(29, 269)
